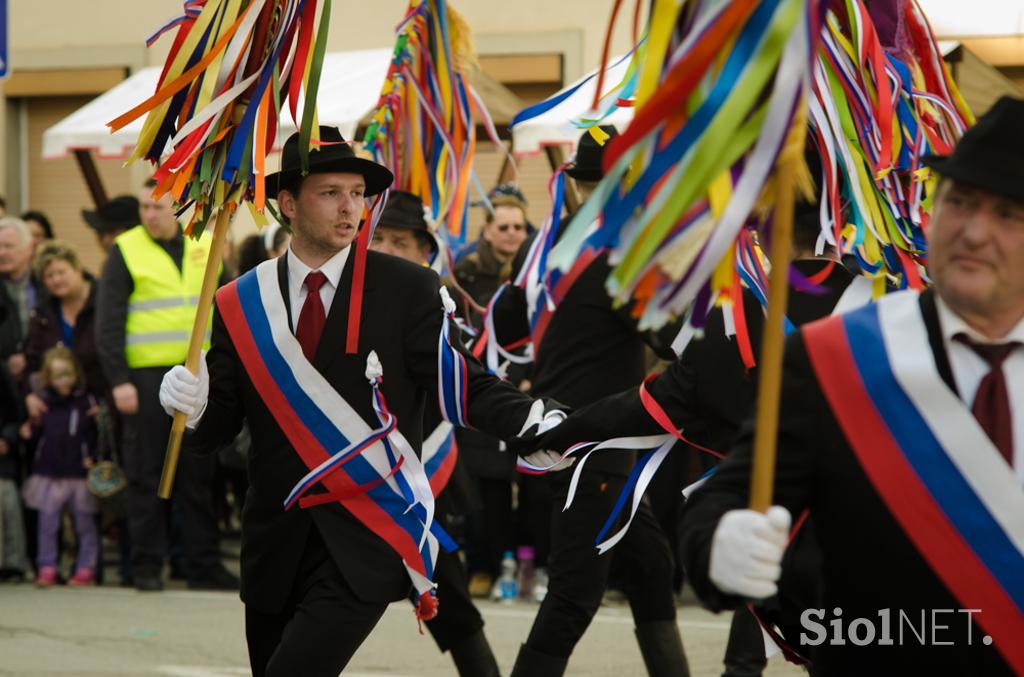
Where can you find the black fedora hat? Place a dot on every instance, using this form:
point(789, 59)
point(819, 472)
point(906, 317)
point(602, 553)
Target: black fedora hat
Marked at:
point(405, 210)
point(120, 213)
point(990, 155)
point(587, 165)
point(335, 155)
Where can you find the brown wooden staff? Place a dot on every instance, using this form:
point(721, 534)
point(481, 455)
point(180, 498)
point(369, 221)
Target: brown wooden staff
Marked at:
point(769, 384)
point(195, 345)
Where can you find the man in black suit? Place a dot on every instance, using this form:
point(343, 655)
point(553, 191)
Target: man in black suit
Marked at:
point(458, 627)
point(591, 349)
point(317, 578)
point(708, 392)
point(878, 561)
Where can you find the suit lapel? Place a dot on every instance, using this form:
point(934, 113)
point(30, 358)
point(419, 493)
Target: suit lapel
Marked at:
point(931, 322)
point(282, 281)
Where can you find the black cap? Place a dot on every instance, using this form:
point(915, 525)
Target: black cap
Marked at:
point(335, 155)
point(120, 213)
point(990, 155)
point(587, 165)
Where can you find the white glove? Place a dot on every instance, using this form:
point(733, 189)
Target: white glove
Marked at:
point(551, 460)
point(183, 391)
point(746, 552)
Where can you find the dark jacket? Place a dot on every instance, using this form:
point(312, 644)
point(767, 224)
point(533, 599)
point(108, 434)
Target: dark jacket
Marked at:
point(67, 434)
point(12, 334)
point(591, 350)
point(480, 274)
point(12, 414)
point(44, 333)
point(869, 562)
point(401, 321)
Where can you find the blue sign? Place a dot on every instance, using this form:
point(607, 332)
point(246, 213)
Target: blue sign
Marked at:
point(4, 61)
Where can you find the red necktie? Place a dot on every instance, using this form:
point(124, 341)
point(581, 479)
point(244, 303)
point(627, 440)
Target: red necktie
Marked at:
point(992, 402)
point(312, 317)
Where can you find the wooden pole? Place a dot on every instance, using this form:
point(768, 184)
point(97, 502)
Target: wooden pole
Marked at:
point(92, 177)
point(195, 346)
point(769, 384)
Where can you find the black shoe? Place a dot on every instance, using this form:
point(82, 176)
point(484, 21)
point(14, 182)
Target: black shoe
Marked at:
point(12, 576)
point(148, 583)
point(217, 579)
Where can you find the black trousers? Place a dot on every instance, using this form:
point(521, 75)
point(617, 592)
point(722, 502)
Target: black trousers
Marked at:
point(577, 575)
point(490, 531)
point(143, 448)
point(322, 625)
point(457, 617)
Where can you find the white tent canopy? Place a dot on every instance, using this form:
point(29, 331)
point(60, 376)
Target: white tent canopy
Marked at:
point(349, 89)
point(554, 126)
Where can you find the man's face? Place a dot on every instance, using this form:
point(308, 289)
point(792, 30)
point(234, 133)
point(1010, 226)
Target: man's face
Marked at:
point(325, 216)
point(14, 252)
point(158, 215)
point(976, 250)
point(400, 242)
point(506, 231)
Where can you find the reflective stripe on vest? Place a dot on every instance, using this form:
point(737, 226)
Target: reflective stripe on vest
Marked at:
point(162, 306)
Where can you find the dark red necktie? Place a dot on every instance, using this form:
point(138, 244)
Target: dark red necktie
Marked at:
point(312, 317)
point(992, 402)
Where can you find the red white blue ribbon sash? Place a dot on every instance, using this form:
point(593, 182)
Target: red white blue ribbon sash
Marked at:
point(452, 375)
point(948, 487)
point(372, 472)
point(440, 454)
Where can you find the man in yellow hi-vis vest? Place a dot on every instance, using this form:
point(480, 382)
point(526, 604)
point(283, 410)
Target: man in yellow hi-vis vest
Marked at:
point(148, 295)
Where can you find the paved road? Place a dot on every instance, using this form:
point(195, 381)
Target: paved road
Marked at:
point(177, 633)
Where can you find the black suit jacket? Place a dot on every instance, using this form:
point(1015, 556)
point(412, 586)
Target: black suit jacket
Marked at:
point(592, 349)
point(401, 321)
point(869, 564)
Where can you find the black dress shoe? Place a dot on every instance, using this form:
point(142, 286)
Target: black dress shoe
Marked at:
point(148, 583)
point(218, 579)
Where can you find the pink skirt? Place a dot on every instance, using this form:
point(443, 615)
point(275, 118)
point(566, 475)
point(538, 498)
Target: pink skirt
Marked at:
point(50, 494)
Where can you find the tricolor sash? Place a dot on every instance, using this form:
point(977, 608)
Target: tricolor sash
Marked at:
point(372, 472)
point(440, 455)
point(936, 470)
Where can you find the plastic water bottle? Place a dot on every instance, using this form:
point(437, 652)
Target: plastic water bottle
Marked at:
point(525, 554)
point(507, 580)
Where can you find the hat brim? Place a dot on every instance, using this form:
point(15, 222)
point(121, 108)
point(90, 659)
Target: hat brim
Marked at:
point(584, 173)
point(97, 223)
point(992, 177)
point(378, 177)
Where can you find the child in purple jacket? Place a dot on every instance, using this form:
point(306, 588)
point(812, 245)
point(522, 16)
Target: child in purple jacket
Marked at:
point(68, 436)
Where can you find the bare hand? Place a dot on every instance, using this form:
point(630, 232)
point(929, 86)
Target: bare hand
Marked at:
point(88, 463)
point(25, 431)
point(126, 399)
point(16, 364)
point(4, 447)
point(35, 406)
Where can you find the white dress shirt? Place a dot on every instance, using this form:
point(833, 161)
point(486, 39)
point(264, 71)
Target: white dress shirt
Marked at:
point(297, 272)
point(969, 368)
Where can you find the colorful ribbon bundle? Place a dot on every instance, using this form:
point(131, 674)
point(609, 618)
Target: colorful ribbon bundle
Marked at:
point(882, 99)
point(715, 99)
point(233, 66)
point(684, 179)
point(424, 128)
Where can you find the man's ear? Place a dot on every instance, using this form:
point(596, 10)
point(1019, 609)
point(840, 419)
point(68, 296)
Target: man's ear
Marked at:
point(286, 203)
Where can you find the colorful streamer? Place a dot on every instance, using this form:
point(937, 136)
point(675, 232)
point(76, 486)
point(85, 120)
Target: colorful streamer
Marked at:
point(424, 127)
point(233, 66)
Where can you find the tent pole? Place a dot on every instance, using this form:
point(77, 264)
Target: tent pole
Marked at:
point(92, 177)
